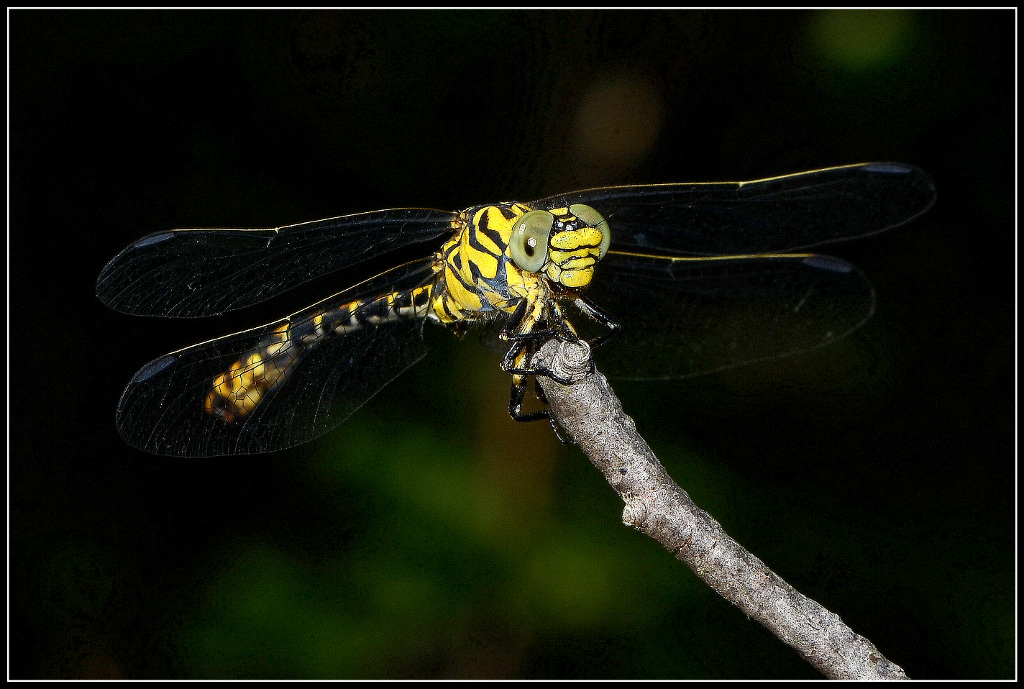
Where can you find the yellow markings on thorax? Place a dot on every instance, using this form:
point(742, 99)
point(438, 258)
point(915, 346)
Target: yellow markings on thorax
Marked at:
point(471, 262)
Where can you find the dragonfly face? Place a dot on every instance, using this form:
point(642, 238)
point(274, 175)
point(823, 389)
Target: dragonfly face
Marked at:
point(692, 273)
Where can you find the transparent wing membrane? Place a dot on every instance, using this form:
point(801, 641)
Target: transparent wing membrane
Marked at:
point(164, 409)
point(193, 273)
point(778, 214)
point(686, 317)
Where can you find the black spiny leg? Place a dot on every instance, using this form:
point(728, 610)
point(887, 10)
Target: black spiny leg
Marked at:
point(515, 401)
point(517, 360)
point(555, 426)
point(601, 316)
point(515, 404)
point(523, 348)
point(514, 326)
point(526, 344)
point(520, 352)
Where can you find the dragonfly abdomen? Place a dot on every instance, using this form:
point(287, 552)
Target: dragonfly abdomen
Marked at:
point(236, 393)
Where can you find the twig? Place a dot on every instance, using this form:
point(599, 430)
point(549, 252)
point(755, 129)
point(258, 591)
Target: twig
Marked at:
point(593, 418)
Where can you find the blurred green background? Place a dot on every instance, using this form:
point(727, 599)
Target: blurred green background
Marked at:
point(430, 536)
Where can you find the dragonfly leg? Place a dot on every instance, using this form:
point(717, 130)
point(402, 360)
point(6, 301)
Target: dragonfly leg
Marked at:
point(515, 405)
point(526, 337)
point(517, 360)
point(528, 331)
point(601, 316)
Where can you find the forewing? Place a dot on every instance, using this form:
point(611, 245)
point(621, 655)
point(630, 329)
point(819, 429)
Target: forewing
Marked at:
point(163, 409)
point(770, 215)
point(204, 272)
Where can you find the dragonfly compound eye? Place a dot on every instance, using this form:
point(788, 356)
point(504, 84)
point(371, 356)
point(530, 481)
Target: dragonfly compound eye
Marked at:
point(528, 245)
point(594, 219)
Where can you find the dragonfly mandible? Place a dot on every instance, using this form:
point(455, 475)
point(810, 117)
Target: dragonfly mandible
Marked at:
point(712, 275)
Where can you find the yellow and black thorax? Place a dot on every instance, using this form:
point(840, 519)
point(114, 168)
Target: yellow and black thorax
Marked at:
point(502, 255)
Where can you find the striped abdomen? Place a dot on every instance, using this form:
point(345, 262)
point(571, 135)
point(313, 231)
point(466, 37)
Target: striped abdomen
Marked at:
point(239, 390)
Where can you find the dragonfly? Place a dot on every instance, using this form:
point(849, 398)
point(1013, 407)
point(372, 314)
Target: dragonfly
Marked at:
point(707, 276)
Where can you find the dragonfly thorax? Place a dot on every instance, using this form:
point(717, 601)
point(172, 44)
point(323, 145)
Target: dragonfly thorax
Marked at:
point(505, 253)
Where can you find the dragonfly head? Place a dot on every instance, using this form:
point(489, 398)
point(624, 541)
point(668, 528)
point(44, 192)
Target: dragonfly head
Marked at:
point(563, 243)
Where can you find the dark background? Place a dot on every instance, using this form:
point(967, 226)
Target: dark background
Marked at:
point(430, 536)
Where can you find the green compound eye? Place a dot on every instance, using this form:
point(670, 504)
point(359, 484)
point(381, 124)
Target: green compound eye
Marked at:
point(529, 242)
point(594, 219)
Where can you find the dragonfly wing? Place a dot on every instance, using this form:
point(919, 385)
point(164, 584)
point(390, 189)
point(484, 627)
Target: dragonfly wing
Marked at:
point(770, 215)
point(683, 317)
point(170, 407)
point(193, 273)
